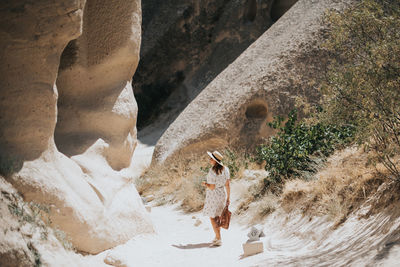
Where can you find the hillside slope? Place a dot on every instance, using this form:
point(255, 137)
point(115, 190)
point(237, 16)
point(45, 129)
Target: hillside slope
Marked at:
point(262, 82)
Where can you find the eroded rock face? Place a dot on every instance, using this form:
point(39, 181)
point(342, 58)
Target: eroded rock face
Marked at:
point(96, 98)
point(187, 43)
point(33, 36)
point(91, 198)
point(25, 240)
point(264, 81)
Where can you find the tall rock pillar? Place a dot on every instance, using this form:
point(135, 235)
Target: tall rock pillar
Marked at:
point(81, 174)
point(32, 38)
point(96, 97)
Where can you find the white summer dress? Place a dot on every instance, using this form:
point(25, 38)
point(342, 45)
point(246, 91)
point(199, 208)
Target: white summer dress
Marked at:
point(215, 199)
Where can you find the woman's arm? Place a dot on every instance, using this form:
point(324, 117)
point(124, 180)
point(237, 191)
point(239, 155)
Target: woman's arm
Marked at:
point(228, 191)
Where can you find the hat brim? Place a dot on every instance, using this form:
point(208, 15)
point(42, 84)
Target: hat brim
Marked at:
point(216, 160)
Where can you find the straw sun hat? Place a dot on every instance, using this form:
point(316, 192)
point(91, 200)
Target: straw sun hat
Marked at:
point(216, 156)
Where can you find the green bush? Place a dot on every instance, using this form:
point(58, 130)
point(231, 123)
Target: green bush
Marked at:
point(289, 152)
point(231, 161)
point(363, 80)
point(236, 162)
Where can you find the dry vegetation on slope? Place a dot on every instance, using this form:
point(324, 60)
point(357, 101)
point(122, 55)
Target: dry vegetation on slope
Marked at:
point(362, 90)
point(346, 182)
point(27, 234)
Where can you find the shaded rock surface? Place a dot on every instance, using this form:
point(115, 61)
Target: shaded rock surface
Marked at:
point(94, 82)
point(89, 187)
point(284, 63)
point(186, 44)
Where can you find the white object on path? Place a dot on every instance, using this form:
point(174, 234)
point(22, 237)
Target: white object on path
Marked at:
point(252, 248)
point(255, 234)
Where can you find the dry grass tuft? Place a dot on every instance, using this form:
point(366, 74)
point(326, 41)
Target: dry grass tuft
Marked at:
point(253, 206)
point(346, 182)
point(192, 194)
point(252, 210)
point(248, 197)
point(180, 180)
point(267, 205)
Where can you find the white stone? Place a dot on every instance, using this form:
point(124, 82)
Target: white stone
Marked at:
point(252, 248)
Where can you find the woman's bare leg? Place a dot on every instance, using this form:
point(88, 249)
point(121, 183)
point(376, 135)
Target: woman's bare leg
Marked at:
point(217, 230)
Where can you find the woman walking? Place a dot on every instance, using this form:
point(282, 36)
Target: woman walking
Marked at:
point(217, 179)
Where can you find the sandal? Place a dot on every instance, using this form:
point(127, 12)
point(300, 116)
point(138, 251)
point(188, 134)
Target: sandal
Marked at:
point(216, 243)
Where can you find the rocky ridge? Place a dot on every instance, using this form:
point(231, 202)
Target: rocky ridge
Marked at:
point(186, 44)
point(264, 81)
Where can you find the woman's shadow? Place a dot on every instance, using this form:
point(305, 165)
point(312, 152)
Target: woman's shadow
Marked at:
point(194, 246)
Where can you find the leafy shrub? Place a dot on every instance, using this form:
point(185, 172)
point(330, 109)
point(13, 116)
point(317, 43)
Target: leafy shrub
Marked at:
point(237, 162)
point(289, 152)
point(231, 161)
point(363, 82)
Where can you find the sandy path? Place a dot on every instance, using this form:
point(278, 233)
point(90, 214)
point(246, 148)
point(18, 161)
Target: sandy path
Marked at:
point(291, 240)
point(179, 242)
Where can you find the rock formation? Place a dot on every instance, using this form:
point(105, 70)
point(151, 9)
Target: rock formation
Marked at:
point(25, 240)
point(186, 43)
point(88, 188)
point(33, 37)
point(94, 83)
point(263, 82)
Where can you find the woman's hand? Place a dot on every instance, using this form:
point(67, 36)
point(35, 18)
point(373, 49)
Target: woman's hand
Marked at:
point(203, 183)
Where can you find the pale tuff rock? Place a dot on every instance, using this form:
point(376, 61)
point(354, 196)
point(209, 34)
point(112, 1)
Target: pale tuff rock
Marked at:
point(94, 83)
point(92, 197)
point(32, 38)
point(25, 240)
point(114, 260)
point(262, 82)
point(185, 44)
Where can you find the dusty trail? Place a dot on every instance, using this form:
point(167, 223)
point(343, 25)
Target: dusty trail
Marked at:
point(180, 243)
point(291, 240)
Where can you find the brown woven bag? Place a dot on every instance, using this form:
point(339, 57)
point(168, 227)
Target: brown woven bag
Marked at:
point(225, 218)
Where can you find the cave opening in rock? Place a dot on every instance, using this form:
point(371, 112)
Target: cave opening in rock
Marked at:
point(256, 111)
point(256, 116)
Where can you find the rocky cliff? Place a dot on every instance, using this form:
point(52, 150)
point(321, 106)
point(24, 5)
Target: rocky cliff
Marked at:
point(264, 81)
point(85, 102)
point(187, 43)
